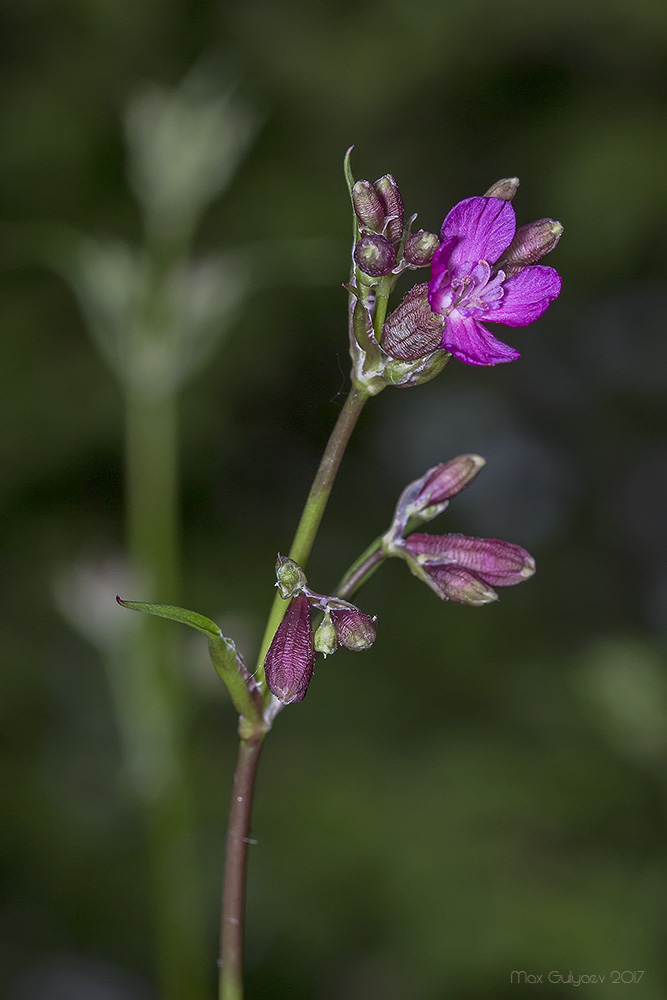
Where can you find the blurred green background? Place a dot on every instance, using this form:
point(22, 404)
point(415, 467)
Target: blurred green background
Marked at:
point(513, 816)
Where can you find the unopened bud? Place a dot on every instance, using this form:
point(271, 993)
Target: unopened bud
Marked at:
point(497, 563)
point(375, 255)
point(440, 483)
point(404, 374)
point(420, 248)
point(390, 196)
point(368, 206)
point(452, 583)
point(325, 636)
point(531, 242)
point(291, 656)
point(505, 189)
point(412, 330)
point(290, 578)
point(354, 629)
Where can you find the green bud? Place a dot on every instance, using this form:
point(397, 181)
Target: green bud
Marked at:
point(325, 636)
point(408, 373)
point(290, 578)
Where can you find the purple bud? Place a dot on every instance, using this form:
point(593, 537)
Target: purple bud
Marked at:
point(368, 206)
point(504, 189)
point(354, 629)
point(452, 583)
point(500, 564)
point(291, 656)
point(445, 481)
point(531, 242)
point(390, 196)
point(420, 248)
point(429, 495)
point(413, 330)
point(375, 255)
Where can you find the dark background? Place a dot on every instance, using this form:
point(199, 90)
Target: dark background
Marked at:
point(485, 790)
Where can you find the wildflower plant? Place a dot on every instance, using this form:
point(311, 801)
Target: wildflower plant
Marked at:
point(483, 270)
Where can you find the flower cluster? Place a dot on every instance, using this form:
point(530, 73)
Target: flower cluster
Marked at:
point(290, 659)
point(483, 270)
point(456, 567)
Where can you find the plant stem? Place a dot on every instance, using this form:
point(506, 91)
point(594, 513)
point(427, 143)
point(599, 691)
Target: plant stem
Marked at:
point(236, 858)
point(236, 854)
point(315, 505)
point(361, 570)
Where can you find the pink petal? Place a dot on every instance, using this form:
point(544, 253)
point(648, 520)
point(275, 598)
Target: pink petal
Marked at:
point(528, 294)
point(441, 256)
point(471, 342)
point(484, 226)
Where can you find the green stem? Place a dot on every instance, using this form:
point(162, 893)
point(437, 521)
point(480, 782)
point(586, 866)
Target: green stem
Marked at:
point(236, 859)
point(316, 505)
point(361, 571)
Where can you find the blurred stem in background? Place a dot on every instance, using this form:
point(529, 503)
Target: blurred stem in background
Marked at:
point(156, 314)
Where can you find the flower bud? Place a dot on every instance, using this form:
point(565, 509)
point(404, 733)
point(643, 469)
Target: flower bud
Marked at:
point(420, 248)
point(430, 495)
point(354, 629)
point(291, 656)
point(531, 242)
point(504, 189)
point(368, 206)
point(500, 564)
point(290, 578)
point(390, 196)
point(404, 374)
point(412, 330)
point(375, 255)
point(452, 583)
point(325, 636)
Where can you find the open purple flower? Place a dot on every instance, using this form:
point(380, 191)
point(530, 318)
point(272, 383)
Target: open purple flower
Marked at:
point(468, 284)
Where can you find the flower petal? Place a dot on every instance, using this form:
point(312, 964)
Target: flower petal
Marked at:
point(501, 564)
point(484, 226)
point(441, 257)
point(471, 342)
point(528, 294)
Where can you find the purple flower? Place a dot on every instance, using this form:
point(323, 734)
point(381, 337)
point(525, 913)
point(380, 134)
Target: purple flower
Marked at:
point(463, 569)
point(291, 656)
point(468, 284)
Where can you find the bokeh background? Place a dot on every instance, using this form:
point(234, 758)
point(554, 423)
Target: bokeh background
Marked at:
point(485, 790)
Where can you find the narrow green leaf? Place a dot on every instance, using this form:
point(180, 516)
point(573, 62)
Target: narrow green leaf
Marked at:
point(225, 657)
point(175, 614)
